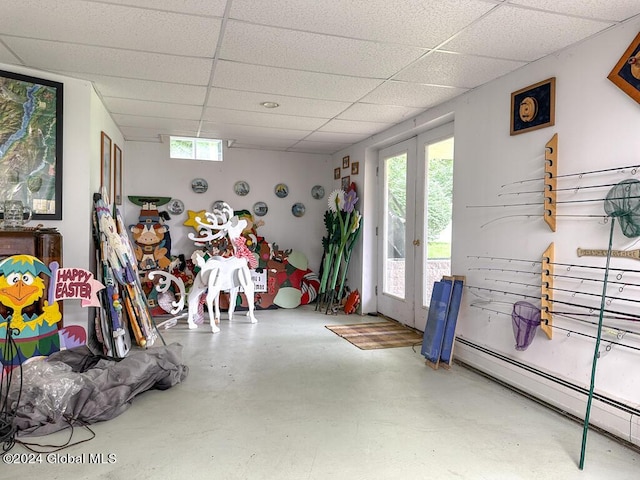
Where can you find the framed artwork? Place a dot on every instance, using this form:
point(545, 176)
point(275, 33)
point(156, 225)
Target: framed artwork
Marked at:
point(355, 168)
point(533, 107)
point(241, 188)
point(345, 162)
point(346, 181)
point(175, 206)
point(298, 209)
point(199, 185)
point(117, 175)
point(336, 173)
point(317, 192)
point(626, 74)
point(31, 143)
point(260, 209)
point(281, 190)
point(105, 163)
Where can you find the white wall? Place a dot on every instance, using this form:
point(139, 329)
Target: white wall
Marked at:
point(84, 117)
point(148, 170)
point(597, 125)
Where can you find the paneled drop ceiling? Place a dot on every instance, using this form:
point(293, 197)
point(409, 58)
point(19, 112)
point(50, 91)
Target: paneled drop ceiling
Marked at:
point(341, 70)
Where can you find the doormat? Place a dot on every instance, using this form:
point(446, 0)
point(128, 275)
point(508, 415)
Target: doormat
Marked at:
point(369, 336)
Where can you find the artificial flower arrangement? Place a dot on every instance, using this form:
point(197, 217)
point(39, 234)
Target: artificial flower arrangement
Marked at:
point(343, 223)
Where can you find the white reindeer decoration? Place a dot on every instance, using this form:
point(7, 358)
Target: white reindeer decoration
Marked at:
point(221, 273)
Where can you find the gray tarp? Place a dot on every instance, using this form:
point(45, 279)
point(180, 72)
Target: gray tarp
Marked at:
point(75, 386)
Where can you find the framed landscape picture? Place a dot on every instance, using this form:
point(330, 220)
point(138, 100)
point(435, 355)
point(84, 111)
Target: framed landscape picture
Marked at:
point(31, 143)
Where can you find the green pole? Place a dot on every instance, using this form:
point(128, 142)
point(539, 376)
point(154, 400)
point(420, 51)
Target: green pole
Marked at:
point(596, 352)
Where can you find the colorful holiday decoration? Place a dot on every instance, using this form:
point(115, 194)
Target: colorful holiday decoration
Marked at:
point(342, 221)
point(28, 320)
point(219, 273)
point(123, 302)
point(151, 235)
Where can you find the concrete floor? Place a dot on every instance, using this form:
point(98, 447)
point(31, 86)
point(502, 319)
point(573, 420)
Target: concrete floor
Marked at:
point(288, 399)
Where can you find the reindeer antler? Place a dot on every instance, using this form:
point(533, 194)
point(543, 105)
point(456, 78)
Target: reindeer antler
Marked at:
point(218, 220)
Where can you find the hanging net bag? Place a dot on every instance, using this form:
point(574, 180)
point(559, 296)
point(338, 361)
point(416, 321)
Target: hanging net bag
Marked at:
point(525, 319)
point(623, 202)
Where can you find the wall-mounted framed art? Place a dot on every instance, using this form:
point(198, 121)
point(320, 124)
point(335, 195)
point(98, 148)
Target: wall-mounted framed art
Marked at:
point(533, 107)
point(336, 173)
point(626, 74)
point(355, 168)
point(31, 143)
point(346, 181)
point(241, 188)
point(105, 164)
point(345, 162)
point(117, 175)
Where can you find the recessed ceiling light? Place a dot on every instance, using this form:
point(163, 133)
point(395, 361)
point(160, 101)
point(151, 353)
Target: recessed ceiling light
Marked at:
point(270, 104)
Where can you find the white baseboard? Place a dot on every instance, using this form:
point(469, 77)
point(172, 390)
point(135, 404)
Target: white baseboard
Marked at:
point(619, 423)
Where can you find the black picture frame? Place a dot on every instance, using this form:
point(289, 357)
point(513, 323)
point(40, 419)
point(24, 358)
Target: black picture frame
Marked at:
point(533, 107)
point(31, 130)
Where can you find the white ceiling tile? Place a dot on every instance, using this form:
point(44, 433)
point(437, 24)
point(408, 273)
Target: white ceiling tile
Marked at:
point(457, 70)
point(147, 89)
point(6, 56)
point(291, 82)
point(259, 119)
point(163, 125)
point(352, 126)
point(238, 131)
point(79, 59)
point(194, 7)
point(617, 10)
point(293, 43)
point(250, 101)
point(411, 94)
point(336, 137)
point(244, 42)
point(263, 142)
point(318, 147)
point(150, 134)
point(112, 26)
point(379, 113)
point(152, 109)
point(422, 23)
point(502, 33)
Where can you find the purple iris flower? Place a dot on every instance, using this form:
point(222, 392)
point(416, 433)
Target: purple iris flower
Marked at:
point(350, 200)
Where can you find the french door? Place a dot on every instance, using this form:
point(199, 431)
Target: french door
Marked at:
point(414, 227)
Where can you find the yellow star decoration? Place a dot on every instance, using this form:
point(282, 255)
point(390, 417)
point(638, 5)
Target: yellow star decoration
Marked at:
point(191, 221)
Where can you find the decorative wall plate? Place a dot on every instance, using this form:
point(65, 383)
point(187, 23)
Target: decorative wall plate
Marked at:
point(241, 188)
point(175, 206)
point(199, 185)
point(260, 209)
point(217, 205)
point(317, 192)
point(281, 190)
point(298, 209)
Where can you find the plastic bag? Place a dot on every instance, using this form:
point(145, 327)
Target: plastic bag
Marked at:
point(46, 388)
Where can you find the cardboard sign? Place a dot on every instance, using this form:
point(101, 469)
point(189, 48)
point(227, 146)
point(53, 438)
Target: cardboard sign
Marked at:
point(75, 283)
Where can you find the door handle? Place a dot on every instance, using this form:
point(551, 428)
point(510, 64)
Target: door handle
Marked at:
point(416, 242)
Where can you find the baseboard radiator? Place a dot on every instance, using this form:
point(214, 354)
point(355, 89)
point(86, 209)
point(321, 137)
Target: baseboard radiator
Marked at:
point(609, 416)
